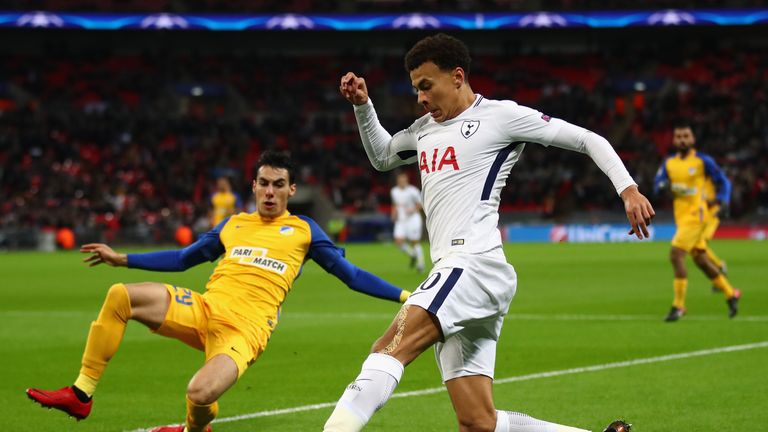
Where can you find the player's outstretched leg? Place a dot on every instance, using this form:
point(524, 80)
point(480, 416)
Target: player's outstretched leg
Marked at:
point(472, 399)
point(508, 421)
point(369, 392)
point(413, 331)
point(103, 340)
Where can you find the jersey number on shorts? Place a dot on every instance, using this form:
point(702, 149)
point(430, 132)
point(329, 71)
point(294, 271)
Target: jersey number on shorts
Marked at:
point(442, 292)
point(185, 297)
point(431, 281)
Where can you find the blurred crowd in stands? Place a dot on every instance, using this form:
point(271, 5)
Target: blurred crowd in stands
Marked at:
point(138, 140)
point(361, 6)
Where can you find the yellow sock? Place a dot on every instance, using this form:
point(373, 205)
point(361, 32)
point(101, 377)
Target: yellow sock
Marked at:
point(712, 257)
point(86, 384)
point(198, 416)
point(723, 285)
point(680, 285)
point(104, 337)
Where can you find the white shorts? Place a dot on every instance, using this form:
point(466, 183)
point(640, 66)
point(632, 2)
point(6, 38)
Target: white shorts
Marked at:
point(409, 229)
point(469, 295)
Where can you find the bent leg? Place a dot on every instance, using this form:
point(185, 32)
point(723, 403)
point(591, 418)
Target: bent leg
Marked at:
point(704, 263)
point(716, 260)
point(145, 302)
point(717, 277)
point(204, 389)
point(411, 333)
point(472, 400)
point(149, 303)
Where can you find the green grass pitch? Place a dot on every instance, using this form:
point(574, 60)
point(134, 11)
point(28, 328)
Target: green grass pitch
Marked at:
point(577, 305)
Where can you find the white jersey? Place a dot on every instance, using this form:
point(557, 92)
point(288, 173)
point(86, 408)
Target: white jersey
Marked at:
point(406, 201)
point(465, 161)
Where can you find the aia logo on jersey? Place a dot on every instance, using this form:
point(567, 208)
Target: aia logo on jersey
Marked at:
point(431, 163)
point(469, 127)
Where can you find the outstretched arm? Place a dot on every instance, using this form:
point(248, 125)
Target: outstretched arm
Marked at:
point(384, 150)
point(638, 209)
point(528, 125)
point(207, 248)
point(331, 259)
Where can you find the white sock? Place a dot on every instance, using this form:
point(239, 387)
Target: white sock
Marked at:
point(405, 247)
point(419, 255)
point(508, 421)
point(367, 394)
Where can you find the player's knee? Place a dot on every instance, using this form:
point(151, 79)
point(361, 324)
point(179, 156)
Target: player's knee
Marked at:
point(118, 301)
point(477, 422)
point(699, 257)
point(117, 292)
point(201, 394)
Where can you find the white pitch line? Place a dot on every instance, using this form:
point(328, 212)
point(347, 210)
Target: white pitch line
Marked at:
point(528, 377)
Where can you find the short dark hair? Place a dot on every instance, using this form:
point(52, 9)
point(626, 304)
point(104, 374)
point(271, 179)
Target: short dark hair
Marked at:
point(277, 159)
point(682, 124)
point(446, 52)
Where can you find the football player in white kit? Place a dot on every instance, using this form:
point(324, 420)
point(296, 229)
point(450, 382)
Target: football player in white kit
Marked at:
point(465, 147)
point(406, 213)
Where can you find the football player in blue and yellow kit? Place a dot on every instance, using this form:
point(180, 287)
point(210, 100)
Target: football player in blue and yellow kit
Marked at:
point(224, 202)
point(261, 255)
point(686, 173)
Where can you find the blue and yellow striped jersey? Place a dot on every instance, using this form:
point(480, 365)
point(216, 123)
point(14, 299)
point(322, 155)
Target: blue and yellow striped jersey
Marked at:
point(260, 260)
point(686, 177)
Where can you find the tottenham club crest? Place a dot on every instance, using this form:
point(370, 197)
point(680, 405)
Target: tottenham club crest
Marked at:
point(469, 127)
